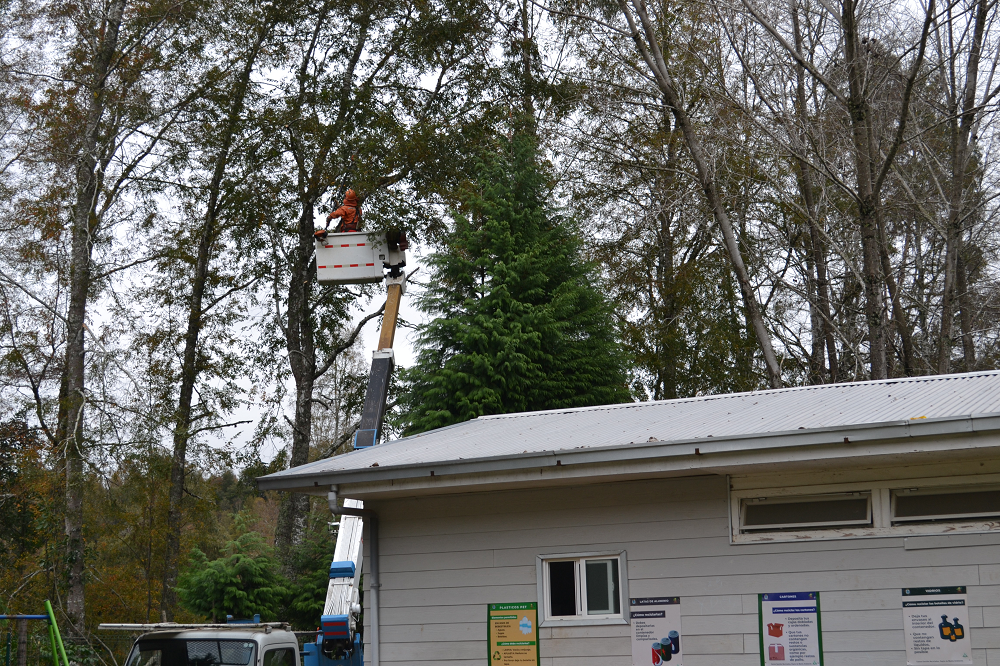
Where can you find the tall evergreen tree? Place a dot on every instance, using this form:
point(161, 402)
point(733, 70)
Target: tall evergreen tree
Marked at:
point(519, 324)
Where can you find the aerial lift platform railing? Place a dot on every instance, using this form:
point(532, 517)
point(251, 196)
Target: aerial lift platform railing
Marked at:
point(357, 258)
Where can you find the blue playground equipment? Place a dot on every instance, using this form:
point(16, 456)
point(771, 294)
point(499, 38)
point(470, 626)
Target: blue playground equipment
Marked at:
point(55, 639)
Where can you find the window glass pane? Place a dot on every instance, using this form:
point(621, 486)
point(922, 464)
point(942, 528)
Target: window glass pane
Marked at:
point(562, 588)
point(849, 510)
point(180, 652)
point(145, 654)
point(602, 587)
point(203, 653)
point(598, 598)
point(977, 503)
point(279, 657)
point(238, 653)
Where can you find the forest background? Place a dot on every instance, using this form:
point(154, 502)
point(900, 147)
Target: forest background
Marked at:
point(743, 193)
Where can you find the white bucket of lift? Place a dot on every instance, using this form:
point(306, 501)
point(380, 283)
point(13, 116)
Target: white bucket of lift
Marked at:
point(354, 257)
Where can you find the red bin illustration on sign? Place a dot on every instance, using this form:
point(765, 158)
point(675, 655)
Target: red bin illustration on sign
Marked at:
point(776, 652)
point(775, 629)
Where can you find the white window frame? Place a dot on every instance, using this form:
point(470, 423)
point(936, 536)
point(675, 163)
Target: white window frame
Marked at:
point(581, 618)
point(791, 499)
point(939, 490)
point(881, 509)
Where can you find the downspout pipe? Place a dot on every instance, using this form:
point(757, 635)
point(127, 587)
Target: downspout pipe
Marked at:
point(371, 518)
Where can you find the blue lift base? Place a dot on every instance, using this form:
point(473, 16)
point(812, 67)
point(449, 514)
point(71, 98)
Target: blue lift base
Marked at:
point(312, 655)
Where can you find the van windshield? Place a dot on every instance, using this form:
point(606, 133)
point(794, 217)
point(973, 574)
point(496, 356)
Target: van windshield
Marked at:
point(189, 652)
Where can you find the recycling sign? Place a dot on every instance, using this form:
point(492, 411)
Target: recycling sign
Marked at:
point(936, 626)
point(512, 634)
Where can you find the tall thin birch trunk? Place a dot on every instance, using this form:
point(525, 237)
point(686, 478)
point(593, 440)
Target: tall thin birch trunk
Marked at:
point(874, 284)
point(961, 148)
point(653, 56)
point(190, 365)
point(822, 324)
point(299, 325)
point(84, 224)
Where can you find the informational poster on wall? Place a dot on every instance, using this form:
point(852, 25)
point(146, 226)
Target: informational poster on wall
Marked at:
point(791, 631)
point(512, 634)
point(656, 631)
point(935, 621)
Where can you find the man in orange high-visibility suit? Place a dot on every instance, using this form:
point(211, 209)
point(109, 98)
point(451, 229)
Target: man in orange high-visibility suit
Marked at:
point(349, 214)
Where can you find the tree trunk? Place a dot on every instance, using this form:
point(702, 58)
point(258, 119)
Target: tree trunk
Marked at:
point(651, 53)
point(668, 296)
point(302, 359)
point(965, 309)
point(666, 278)
point(84, 225)
point(867, 197)
point(823, 330)
point(190, 365)
point(952, 237)
point(817, 362)
point(898, 313)
point(189, 374)
point(527, 83)
point(299, 333)
point(22, 642)
point(961, 149)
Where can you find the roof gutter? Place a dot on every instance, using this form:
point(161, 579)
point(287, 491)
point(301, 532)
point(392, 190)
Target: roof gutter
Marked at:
point(816, 437)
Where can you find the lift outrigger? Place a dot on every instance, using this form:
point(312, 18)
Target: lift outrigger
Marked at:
point(357, 258)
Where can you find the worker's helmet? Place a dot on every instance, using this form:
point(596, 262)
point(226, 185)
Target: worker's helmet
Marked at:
point(350, 198)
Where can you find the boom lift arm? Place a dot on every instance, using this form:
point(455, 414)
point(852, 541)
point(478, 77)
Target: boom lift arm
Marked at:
point(383, 363)
point(339, 638)
point(360, 258)
point(357, 258)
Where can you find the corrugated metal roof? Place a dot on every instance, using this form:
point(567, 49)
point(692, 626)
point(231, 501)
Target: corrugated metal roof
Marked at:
point(740, 415)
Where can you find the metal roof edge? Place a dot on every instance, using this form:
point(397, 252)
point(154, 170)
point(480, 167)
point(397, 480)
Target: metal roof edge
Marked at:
point(740, 394)
point(484, 464)
point(830, 435)
point(298, 472)
point(286, 473)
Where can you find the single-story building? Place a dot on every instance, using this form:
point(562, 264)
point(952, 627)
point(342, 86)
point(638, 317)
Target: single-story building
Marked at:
point(860, 492)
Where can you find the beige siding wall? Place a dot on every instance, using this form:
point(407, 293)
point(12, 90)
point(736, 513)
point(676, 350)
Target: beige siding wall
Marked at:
point(445, 558)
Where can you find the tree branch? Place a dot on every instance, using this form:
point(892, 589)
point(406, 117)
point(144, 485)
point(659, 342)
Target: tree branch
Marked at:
point(339, 349)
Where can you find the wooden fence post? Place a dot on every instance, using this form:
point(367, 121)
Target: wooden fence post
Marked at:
point(22, 642)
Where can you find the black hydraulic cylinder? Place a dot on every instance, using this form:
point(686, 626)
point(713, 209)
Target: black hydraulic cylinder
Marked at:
point(374, 409)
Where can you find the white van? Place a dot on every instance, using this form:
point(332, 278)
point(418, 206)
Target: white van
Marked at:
point(270, 644)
